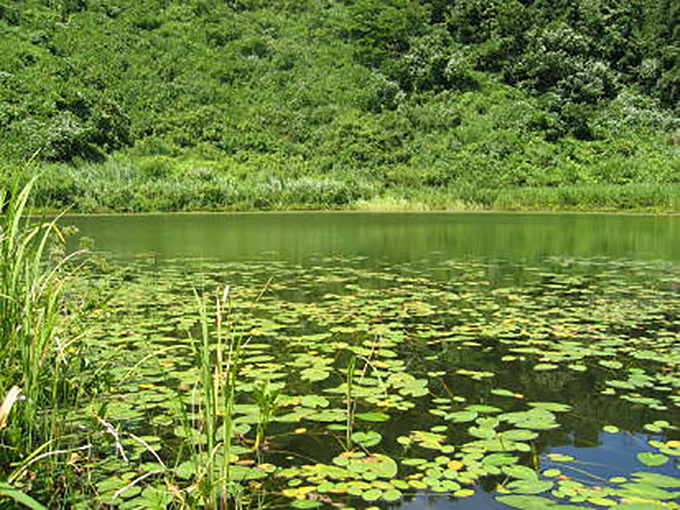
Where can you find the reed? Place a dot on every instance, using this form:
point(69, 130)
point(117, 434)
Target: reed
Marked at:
point(214, 399)
point(266, 399)
point(37, 361)
point(350, 403)
point(33, 356)
point(218, 352)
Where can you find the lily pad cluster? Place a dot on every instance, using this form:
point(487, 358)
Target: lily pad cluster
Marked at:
point(388, 383)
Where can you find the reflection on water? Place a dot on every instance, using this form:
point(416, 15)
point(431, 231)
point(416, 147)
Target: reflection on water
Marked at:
point(389, 237)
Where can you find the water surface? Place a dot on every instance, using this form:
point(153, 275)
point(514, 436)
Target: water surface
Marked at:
point(487, 341)
point(393, 237)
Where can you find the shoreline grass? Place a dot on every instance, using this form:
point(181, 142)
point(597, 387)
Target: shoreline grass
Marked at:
point(164, 185)
point(40, 359)
point(601, 198)
point(606, 198)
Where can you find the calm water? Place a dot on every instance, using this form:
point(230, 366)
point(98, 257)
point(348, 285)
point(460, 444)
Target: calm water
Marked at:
point(542, 262)
point(389, 237)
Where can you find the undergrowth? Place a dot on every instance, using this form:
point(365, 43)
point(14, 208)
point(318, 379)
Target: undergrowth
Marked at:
point(39, 359)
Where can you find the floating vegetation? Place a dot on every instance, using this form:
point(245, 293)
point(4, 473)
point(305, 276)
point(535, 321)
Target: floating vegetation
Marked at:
point(554, 386)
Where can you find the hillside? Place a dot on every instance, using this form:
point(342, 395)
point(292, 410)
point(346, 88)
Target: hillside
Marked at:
point(253, 104)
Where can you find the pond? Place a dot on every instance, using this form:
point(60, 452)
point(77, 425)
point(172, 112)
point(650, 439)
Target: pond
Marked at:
point(393, 360)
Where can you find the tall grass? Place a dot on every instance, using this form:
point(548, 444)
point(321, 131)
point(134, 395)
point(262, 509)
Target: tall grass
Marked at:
point(598, 197)
point(154, 184)
point(635, 197)
point(218, 352)
point(142, 186)
point(33, 356)
point(217, 356)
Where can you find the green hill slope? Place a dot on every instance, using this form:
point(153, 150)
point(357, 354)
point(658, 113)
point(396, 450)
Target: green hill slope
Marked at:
point(242, 104)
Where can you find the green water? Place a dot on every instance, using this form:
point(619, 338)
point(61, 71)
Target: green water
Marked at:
point(485, 342)
point(390, 237)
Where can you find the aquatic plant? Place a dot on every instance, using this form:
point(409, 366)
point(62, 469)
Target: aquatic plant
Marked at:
point(214, 398)
point(350, 402)
point(33, 356)
point(363, 386)
point(266, 400)
point(40, 357)
point(209, 434)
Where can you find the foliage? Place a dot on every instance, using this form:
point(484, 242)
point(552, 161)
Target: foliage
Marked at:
point(43, 372)
point(33, 355)
point(358, 381)
point(303, 100)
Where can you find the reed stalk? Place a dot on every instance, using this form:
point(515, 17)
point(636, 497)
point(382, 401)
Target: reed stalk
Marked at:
point(351, 403)
point(34, 357)
point(30, 296)
point(216, 394)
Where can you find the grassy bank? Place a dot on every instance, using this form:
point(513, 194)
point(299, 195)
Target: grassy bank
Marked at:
point(661, 198)
point(165, 185)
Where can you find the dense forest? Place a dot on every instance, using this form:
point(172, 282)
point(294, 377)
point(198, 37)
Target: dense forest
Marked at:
point(251, 104)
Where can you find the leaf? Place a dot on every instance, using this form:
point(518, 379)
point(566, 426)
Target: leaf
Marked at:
point(545, 366)
point(482, 432)
point(186, 470)
point(314, 401)
point(611, 364)
point(483, 409)
point(461, 416)
point(369, 467)
point(22, 498)
point(530, 486)
point(560, 457)
point(415, 388)
point(652, 459)
point(392, 495)
point(464, 493)
point(501, 392)
point(366, 439)
point(521, 472)
point(498, 459)
point(373, 416)
point(526, 502)
point(646, 491)
point(551, 406)
point(577, 367)
point(305, 503)
point(537, 425)
point(372, 494)
point(455, 465)
point(314, 374)
point(155, 498)
point(650, 505)
point(328, 415)
point(658, 480)
point(519, 435)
